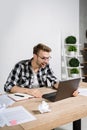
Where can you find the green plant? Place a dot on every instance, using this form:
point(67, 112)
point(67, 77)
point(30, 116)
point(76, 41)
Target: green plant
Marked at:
point(72, 48)
point(70, 40)
point(74, 62)
point(74, 71)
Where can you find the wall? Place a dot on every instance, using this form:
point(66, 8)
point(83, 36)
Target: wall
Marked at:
point(24, 23)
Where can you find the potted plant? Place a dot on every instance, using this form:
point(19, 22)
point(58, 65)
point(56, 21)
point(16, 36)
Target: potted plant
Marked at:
point(74, 62)
point(74, 72)
point(70, 40)
point(72, 50)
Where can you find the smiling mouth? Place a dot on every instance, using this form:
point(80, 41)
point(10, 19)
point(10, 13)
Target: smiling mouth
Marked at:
point(43, 64)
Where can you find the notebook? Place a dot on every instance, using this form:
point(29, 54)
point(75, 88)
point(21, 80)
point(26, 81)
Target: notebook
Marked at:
point(19, 96)
point(65, 90)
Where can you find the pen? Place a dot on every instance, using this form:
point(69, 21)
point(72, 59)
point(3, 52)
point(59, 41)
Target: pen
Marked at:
point(19, 95)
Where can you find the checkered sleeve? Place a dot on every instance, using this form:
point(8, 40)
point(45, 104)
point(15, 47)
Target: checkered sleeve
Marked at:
point(51, 77)
point(13, 78)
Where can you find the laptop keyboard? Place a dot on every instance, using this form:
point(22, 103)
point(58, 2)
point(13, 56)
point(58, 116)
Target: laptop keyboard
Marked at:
point(50, 96)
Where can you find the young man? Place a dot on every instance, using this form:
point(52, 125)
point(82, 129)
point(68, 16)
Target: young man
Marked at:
point(28, 75)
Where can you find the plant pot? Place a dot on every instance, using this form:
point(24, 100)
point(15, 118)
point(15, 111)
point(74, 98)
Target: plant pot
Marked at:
point(74, 75)
point(71, 53)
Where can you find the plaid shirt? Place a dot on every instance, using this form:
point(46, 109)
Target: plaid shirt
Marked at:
point(22, 76)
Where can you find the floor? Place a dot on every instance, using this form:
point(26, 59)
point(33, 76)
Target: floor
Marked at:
point(69, 126)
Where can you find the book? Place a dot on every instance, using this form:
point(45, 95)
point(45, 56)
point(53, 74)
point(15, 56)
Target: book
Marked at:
point(19, 96)
point(15, 115)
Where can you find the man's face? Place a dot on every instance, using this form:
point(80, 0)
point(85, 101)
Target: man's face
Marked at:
point(42, 58)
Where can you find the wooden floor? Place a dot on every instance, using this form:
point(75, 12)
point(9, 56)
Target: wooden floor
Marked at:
point(69, 126)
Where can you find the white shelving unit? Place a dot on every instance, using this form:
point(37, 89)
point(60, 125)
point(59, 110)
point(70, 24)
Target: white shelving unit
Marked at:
point(65, 74)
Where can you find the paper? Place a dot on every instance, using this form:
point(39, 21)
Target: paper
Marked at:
point(44, 107)
point(82, 91)
point(15, 115)
point(4, 99)
point(20, 96)
point(2, 123)
point(2, 107)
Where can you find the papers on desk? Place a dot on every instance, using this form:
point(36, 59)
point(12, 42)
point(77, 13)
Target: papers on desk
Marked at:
point(4, 99)
point(15, 115)
point(82, 91)
point(20, 96)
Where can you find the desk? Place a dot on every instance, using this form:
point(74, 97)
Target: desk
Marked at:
point(62, 112)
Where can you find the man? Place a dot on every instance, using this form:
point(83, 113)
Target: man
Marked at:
point(28, 75)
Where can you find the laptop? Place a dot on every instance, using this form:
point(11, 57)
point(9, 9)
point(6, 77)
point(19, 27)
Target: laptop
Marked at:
point(65, 90)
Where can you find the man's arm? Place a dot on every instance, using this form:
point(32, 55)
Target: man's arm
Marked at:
point(13, 78)
point(56, 85)
point(34, 92)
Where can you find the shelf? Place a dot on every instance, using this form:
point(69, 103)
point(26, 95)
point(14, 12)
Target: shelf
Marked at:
point(73, 44)
point(79, 67)
point(73, 55)
point(84, 49)
point(64, 77)
point(85, 75)
point(85, 62)
point(67, 56)
point(82, 77)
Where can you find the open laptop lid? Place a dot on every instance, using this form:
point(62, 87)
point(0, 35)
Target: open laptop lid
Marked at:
point(66, 88)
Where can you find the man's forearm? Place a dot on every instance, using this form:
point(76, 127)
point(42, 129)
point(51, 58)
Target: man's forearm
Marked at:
point(34, 92)
point(17, 89)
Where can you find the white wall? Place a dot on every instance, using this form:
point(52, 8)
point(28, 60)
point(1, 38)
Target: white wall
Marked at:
point(24, 23)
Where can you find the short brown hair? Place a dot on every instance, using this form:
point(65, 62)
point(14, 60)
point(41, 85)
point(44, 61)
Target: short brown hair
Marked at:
point(39, 47)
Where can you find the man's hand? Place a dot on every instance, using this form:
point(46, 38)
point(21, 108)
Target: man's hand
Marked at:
point(35, 92)
point(75, 93)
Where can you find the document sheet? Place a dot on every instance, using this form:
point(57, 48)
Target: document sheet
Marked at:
point(4, 99)
point(82, 91)
point(16, 115)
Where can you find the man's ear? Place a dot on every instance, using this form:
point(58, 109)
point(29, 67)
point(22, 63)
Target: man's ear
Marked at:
point(34, 56)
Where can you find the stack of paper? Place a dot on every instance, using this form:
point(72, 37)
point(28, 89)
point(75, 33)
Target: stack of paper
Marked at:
point(82, 91)
point(15, 115)
point(4, 99)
